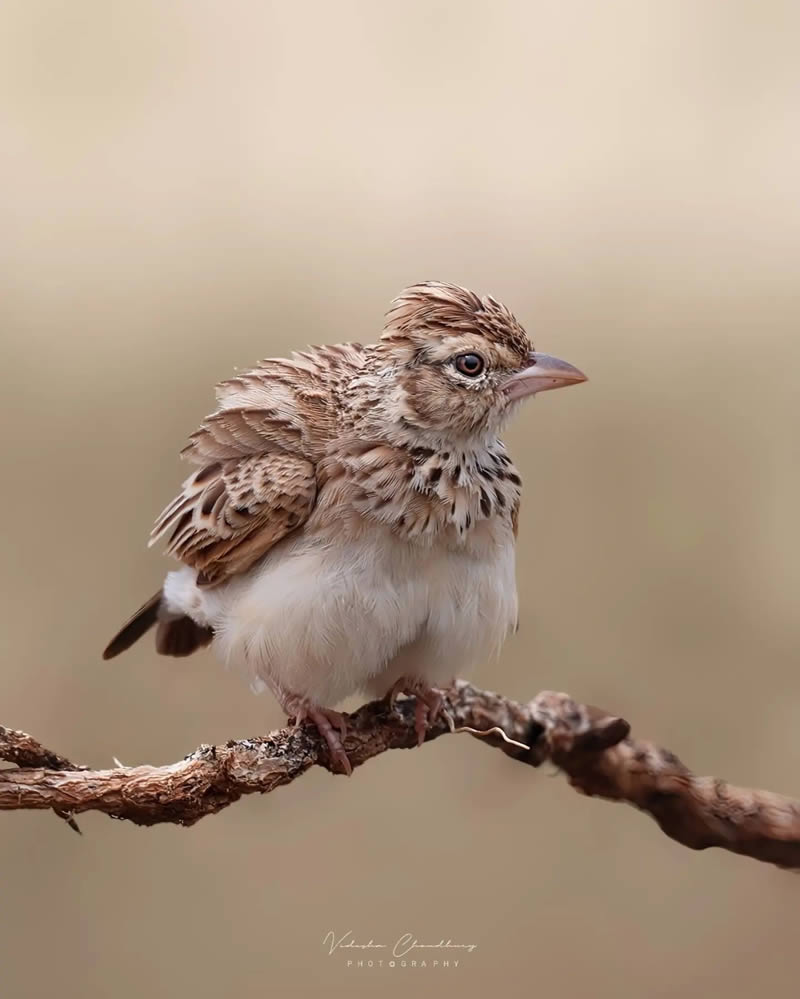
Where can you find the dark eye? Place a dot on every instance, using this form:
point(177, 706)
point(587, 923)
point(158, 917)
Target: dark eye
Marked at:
point(470, 364)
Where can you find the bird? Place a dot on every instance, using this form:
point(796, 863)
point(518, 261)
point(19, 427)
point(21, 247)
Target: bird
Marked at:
point(350, 522)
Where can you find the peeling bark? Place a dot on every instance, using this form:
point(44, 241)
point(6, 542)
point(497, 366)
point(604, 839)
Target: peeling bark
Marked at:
point(592, 748)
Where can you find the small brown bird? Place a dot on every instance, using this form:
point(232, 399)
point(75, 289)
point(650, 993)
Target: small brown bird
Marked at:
point(352, 519)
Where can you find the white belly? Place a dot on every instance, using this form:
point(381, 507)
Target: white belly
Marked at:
point(324, 619)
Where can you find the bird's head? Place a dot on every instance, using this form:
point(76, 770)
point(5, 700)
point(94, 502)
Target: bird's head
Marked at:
point(462, 362)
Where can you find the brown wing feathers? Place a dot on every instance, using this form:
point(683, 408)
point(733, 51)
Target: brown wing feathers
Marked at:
point(258, 454)
point(236, 432)
point(256, 481)
point(231, 512)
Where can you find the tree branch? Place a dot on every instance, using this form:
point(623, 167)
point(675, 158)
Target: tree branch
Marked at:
point(591, 747)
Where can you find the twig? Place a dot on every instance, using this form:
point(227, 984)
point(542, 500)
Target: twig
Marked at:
point(591, 747)
point(24, 751)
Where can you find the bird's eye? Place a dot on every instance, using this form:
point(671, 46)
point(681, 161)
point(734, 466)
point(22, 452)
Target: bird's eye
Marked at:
point(470, 364)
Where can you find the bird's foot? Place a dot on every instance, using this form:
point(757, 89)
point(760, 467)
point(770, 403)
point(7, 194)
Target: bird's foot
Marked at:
point(331, 725)
point(429, 702)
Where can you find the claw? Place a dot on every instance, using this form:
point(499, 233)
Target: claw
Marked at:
point(428, 707)
point(421, 715)
point(332, 726)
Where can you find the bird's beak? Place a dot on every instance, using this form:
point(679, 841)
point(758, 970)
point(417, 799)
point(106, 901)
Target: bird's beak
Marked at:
point(542, 373)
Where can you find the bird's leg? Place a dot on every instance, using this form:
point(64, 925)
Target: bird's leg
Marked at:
point(428, 706)
point(331, 725)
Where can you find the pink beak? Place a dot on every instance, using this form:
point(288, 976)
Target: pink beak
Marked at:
point(542, 373)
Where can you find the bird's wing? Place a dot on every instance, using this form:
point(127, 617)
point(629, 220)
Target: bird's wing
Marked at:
point(258, 455)
point(232, 512)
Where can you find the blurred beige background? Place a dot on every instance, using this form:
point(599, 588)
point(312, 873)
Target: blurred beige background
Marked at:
point(187, 187)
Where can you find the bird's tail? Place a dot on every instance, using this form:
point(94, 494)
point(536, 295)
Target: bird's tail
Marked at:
point(176, 635)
